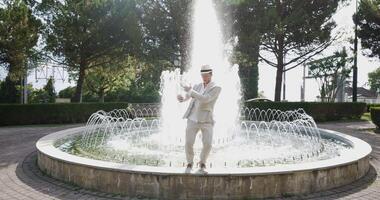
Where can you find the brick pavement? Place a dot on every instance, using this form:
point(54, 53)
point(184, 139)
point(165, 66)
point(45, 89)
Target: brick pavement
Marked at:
point(20, 178)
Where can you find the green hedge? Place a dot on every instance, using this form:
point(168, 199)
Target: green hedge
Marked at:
point(370, 105)
point(375, 116)
point(16, 114)
point(319, 111)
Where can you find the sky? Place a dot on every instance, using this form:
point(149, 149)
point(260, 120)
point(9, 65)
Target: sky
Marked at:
point(343, 19)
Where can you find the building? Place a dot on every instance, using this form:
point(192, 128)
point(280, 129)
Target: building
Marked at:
point(364, 95)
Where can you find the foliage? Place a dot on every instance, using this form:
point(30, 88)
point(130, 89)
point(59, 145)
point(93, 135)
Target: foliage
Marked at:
point(375, 116)
point(145, 93)
point(318, 110)
point(374, 80)
point(166, 42)
point(247, 27)
point(102, 80)
point(38, 96)
point(371, 105)
point(167, 30)
point(19, 30)
point(19, 33)
point(368, 20)
point(330, 73)
point(50, 90)
point(52, 113)
point(79, 113)
point(45, 95)
point(9, 91)
point(89, 34)
point(67, 93)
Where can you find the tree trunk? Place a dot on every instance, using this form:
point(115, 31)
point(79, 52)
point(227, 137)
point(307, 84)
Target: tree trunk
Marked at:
point(255, 72)
point(323, 93)
point(11, 93)
point(101, 96)
point(280, 69)
point(277, 90)
point(279, 55)
point(79, 89)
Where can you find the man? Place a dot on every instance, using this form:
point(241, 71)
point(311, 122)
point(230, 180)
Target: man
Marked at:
point(199, 116)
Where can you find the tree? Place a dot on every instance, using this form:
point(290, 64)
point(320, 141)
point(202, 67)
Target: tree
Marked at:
point(145, 86)
point(50, 90)
point(295, 27)
point(46, 94)
point(38, 96)
point(101, 80)
point(19, 33)
point(67, 93)
point(247, 27)
point(330, 73)
point(88, 34)
point(374, 80)
point(167, 30)
point(8, 91)
point(368, 20)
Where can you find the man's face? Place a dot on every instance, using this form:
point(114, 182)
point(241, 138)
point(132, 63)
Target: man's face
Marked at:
point(206, 77)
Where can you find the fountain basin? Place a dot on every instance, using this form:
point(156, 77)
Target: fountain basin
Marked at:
point(219, 183)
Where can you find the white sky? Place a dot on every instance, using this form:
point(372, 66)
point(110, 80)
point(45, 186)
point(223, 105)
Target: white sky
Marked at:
point(343, 18)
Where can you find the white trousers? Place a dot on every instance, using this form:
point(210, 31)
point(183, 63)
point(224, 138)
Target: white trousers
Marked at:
point(191, 133)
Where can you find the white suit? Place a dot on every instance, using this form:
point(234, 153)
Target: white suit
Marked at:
point(200, 117)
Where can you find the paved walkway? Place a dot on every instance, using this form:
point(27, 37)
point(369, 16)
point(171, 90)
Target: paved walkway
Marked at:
point(21, 179)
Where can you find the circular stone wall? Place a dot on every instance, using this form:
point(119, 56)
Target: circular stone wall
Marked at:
point(219, 183)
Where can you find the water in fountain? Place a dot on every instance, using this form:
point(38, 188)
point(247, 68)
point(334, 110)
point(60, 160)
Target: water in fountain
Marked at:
point(264, 137)
point(207, 48)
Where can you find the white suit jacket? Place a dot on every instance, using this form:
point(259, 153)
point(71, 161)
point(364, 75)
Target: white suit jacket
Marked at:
point(206, 101)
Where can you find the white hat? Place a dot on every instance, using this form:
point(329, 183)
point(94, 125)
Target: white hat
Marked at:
point(205, 69)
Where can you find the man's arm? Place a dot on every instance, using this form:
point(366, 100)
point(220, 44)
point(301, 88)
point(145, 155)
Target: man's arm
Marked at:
point(188, 95)
point(205, 98)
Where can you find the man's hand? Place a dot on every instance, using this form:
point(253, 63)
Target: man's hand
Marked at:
point(187, 88)
point(180, 98)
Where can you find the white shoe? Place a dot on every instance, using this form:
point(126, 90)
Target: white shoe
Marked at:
point(202, 169)
point(189, 168)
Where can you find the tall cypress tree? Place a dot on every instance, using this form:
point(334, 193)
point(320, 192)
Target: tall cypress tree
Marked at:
point(248, 17)
point(50, 90)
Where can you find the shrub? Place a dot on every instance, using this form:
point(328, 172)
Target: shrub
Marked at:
point(375, 116)
point(318, 110)
point(17, 114)
point(370, 105)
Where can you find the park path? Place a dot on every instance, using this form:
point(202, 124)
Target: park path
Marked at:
point(21, 179)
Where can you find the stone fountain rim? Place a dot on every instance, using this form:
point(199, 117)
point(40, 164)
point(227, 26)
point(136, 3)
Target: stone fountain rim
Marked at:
point(45, 146)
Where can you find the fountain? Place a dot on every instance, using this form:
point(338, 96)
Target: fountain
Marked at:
point(116, 137)
point(256, 153)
